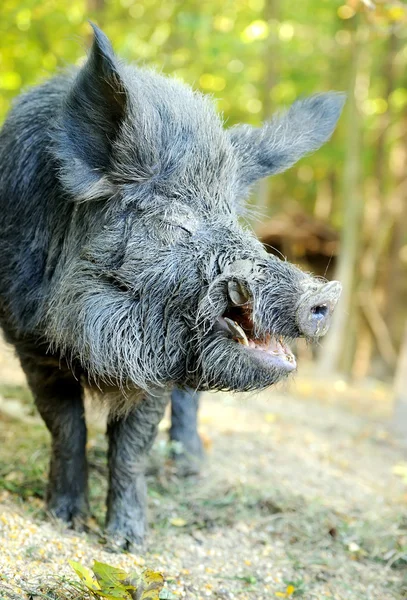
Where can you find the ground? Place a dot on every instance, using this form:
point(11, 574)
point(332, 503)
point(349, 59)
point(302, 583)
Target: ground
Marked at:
point(303, 495)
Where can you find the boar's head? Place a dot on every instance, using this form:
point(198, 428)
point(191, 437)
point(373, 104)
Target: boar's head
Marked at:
point(159, 281)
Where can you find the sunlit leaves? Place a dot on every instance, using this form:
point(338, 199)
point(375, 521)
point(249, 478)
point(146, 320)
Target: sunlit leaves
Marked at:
point(254, 105)
point(235, 66)
point(377, 12)
point(10, 80)
point(160, 34)
point(23, 19)
point(286, 31)
point(257, 30)
point(251, 57)
point(346, 12)
point(207, 81)
point(284, 92)
point(343, 37)
point(398, 98)
point(223, 23)
point(85, 575)
point(375, 106)
point(112, 583)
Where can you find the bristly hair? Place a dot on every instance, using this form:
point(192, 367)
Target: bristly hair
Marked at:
point(130, 191)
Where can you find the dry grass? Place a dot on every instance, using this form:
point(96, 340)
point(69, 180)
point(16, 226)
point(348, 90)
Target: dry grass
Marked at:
point(298, 498)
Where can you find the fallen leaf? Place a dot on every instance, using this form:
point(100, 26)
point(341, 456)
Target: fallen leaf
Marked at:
point(107, 574)
point(353, 547)
point(148, 586)
point(178, 522)
point(113, 581)
point(85, 575)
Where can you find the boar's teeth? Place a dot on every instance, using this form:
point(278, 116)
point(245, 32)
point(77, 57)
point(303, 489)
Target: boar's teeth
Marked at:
point(237, 331)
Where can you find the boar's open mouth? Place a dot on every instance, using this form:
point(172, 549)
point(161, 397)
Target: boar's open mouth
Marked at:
point(237, 323)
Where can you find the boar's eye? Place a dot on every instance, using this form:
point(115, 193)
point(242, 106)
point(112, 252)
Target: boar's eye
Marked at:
point(176, 222)
point(169, 225)
point(172, 230)
point(169, 234)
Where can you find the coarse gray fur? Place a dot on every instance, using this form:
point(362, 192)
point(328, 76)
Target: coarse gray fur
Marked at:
point(121, 249)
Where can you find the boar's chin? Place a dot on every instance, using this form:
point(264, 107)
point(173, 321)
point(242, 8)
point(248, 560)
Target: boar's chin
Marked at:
point(245, 364)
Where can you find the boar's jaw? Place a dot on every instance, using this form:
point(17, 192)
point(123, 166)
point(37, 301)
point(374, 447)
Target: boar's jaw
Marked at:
point(237, 324)
point(257, 311)
point(232, 358)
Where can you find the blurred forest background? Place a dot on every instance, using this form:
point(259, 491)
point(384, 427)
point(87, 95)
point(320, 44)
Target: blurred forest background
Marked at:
point(342, 212)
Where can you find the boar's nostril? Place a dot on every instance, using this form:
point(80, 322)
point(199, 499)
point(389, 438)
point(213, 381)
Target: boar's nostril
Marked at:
point(315, 309)
point(320, 311)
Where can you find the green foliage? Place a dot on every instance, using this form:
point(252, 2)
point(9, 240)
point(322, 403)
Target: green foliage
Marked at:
point(24, 461)
point(253, 56)
point(106, 581)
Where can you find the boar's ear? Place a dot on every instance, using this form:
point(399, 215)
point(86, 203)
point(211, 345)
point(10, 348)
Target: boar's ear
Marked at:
point(91, 117)
point(287, 137)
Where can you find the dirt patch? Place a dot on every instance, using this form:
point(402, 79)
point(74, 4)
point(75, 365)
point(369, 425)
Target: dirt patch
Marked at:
point(298, 498)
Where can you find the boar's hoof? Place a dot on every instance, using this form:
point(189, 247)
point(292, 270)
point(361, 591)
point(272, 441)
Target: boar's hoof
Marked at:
point(73, 511)
point(188, 458)
point(119, 542)
point(187, 465)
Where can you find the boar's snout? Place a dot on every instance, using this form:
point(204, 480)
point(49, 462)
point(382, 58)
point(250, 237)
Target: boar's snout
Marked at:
point(315, 309)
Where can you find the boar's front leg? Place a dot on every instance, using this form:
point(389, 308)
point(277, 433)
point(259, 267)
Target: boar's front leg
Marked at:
point(130, 439)
point(59, 399)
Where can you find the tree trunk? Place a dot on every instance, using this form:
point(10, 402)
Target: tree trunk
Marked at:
point(339, 335)
point(96, 5)
point(377, 229)
point(395, 280)
point(270, 60)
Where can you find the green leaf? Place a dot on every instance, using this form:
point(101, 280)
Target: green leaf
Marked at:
point(109, 582)
point(106, 574)
point(112, 581)
point(116, 593)
point(85, 575)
